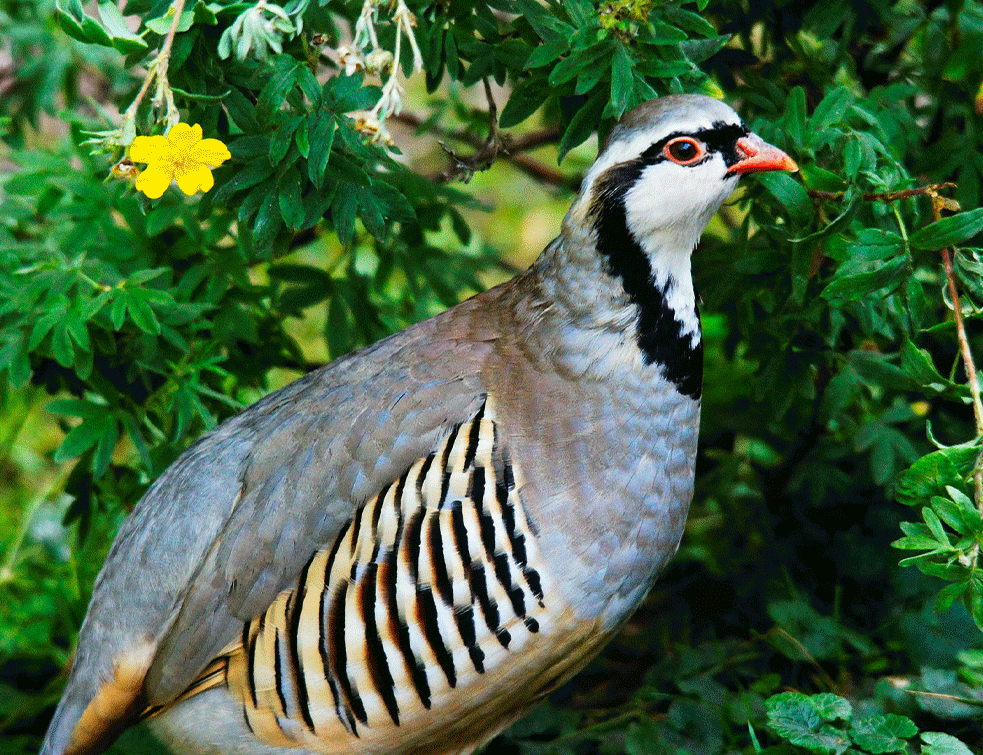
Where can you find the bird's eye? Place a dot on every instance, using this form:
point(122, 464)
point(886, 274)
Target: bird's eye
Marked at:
point(684, 150)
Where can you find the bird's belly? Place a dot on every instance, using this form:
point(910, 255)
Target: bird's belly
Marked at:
point(248, 720)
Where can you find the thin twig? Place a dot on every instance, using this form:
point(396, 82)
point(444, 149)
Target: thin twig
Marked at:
point(158, 70)
point(967, 355)
point(887, 196)
point(532, 167)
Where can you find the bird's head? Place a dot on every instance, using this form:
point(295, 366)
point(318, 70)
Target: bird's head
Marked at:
point(669, 164)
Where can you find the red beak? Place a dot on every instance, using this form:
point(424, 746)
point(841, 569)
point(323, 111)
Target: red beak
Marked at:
point(760, 156)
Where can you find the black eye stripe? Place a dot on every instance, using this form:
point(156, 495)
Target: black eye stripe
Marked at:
point(720, 137)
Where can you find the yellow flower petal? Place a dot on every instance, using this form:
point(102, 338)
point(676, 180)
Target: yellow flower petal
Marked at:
point(211, 152)
point(181, 156)
point(195, 178)
point(183, 137)
point(147, 149)
point(154, 181)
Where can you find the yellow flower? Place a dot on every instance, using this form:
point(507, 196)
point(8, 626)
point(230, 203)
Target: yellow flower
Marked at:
point(181, 156)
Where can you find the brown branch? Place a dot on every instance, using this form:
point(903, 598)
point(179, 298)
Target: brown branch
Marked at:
point(969, 366)
point(938, 204)
point(888, 196)
point(513, 154)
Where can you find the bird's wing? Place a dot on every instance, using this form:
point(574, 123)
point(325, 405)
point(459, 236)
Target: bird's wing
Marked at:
point(433, 600)
point(233, 521)
point(300, 482)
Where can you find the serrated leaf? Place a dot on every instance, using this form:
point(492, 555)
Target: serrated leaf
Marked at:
point(881, 734)
point(794, 717)
point(74, 407)
point(876, 244)
point(542, 20)
point(252, 174)
point(62, 347)
point(832, 707)
point(935, 527)
point(948, 231)
point(690, 21)
point(268, 220)
point(242, 113)
point(282, 138)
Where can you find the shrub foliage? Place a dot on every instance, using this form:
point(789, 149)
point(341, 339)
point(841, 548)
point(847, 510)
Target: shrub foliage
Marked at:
point(841, 306)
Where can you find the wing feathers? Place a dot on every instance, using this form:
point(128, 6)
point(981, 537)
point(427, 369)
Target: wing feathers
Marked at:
point(430, 597)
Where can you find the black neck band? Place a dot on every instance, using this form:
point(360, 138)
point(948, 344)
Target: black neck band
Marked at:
point(659, 334)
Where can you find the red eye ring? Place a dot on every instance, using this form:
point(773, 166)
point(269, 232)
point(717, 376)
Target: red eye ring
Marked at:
point(684, 150)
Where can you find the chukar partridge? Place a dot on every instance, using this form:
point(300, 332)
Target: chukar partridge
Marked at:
point(404, 551)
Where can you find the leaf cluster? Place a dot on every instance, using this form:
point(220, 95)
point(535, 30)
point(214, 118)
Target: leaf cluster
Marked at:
point(836, 400)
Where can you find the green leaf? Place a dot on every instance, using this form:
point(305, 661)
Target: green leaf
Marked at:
point(343, 210)
point(831, 110)
point(935, 527)
point(291, 200)
point(268, 220)
point(948, 231)
point(796, 718)
point(622, 80)
point(881, 734)
point(70, 20)
point(321, 131)
point(790, 193)
point(859, 285)
point(123, 39)
point(574, 63)
point(282, 138)
point(543, 21)
point(581, 12)
point(582, 125)
point(73, 407)
point(932, 473)
point(84, 436)
point(547, 52)
point(525, 100)
point(690, 21)
point(832, 707)
point(876, 244)
point(937, 743)
point(162, 24)
point(918, 363)
point(279, 83)
point(834, 226)
point(141, 312)
point(795, 116)
point(242, 112)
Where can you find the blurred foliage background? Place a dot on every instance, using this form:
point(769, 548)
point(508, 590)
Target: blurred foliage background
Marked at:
point(839, 417)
